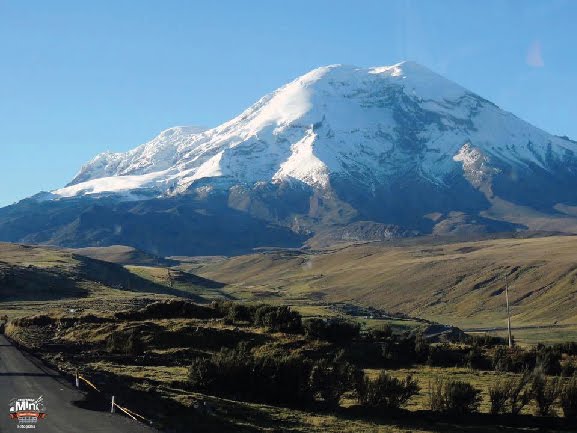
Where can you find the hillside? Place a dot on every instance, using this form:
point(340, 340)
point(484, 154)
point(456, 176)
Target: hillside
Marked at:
point(33, 273)
point(123, 255)
point(459, 283)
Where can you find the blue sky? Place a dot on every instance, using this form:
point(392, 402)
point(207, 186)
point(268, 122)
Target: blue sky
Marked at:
point(78, 78)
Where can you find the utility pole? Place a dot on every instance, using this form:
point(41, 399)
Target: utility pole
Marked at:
point(508, 312)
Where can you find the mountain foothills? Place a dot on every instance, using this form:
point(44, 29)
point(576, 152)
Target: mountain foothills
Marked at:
point(339, 154)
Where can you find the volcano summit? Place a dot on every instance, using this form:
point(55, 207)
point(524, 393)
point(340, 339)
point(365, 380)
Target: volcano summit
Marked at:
point(340, 153)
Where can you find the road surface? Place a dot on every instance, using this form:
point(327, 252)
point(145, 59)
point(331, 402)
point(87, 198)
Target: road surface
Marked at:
point(517, 328)
point(24, 377)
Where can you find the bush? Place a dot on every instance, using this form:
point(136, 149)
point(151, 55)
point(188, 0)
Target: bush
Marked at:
point(388, 392)
point(238, 313)
point(273, 377)
point(568, 398)
point(274, 318)
point(510, 395)
point(333, 330)
point(436, 396)
point(570, 348)
point(125, 344)
point(568, 369)
point(476, 360)
point(548, 360)
point(454, 396)
point(519, 395)
point(545, 392)
point(422, 348)
point(380, 333)
point(514, 360)
point(399, 352)
point(499, 396)
point(278, 319)
point(201, 373)
point(486, 340)
point(330, 380)
point(444, 355)
point(169, 309)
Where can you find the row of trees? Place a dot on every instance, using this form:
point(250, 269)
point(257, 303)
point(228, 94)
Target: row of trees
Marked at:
point(276, 377)
point(294, 380)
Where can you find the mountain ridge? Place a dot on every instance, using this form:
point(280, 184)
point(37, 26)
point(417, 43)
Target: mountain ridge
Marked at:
point(397, 146)
point(298, 131)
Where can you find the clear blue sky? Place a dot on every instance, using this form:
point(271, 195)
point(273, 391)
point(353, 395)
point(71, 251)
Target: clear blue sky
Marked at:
point(81, 77)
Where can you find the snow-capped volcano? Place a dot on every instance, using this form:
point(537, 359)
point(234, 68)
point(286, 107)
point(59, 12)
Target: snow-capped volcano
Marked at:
point(340, 148)
point(367, 124)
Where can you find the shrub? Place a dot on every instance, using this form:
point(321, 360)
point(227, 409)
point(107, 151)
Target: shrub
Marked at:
point(169, 309)
point(461, 397)
point(570, 348)
point(125, 344)
point(519, 395)
point(499, 395)
point(444, 355)
point(201, 373)
point(422, 348)
point(455, 397)
point(329, 381)
point(436, 396)
point(380, 333)
point(548, 360)
point(238, 313)
point(475, 359)
point(333, 330)
point(568, 398)
point(278, 319)
point(486, 340)
point(388, 392)
point(399, 351)
point(568, 369)
point(514, 360)
point(545, 392)
point(510, 395)
point(273, 377)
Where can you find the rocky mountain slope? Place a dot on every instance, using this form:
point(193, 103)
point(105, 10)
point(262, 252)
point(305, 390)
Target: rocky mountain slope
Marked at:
point(396, 146)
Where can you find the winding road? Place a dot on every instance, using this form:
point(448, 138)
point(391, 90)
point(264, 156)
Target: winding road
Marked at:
point(22, 376)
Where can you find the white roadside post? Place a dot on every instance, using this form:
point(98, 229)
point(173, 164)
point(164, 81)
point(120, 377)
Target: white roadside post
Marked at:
point(112, 408)
point(77, 380)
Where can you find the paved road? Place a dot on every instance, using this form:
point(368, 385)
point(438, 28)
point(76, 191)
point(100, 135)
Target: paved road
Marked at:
point(24, 377)
point(516, 328)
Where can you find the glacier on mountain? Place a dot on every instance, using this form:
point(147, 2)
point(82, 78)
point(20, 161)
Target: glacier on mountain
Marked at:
point(369, 125)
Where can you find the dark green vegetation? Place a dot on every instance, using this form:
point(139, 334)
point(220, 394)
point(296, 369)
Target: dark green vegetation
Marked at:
point(252, 367)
